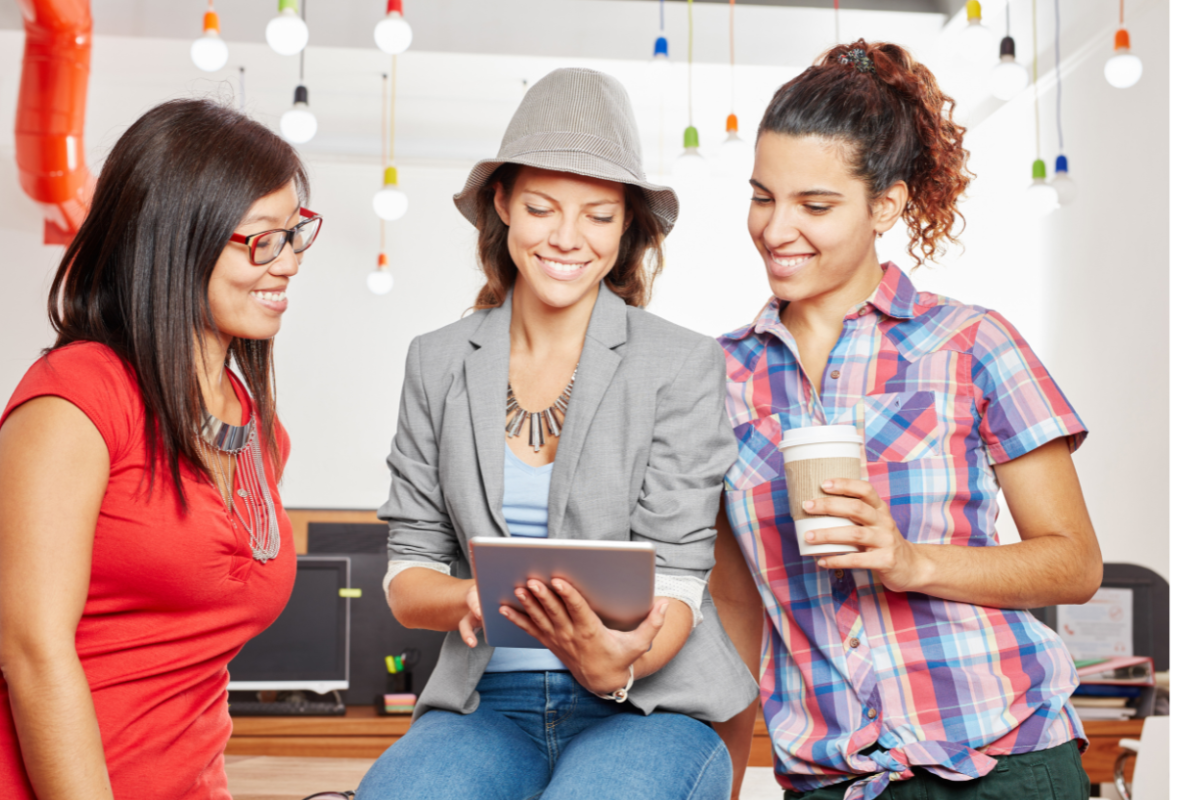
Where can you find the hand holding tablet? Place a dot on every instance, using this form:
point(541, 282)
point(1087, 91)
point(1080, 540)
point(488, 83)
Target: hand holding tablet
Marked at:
point(588, 602)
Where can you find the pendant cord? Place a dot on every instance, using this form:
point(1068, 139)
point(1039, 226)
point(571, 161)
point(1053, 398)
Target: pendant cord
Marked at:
point(662, 15)
point(242, 89)
point(392, 140)
point(689, 10)
point(1122, 13)
point(303, 16)
point(1037, 117)
point(837, 22)
point(1008, 18)
point(1058, 79)
point(732, 104)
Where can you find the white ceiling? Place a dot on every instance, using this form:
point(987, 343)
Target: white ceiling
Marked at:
point(498, 26)
point(470, 59)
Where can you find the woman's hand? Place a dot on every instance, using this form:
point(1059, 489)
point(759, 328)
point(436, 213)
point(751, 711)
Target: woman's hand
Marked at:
point(898, 562)
point(565, 624)
point(473, 619)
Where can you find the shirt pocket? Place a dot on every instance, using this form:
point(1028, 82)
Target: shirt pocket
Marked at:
point(907, 426)
point(758, 458)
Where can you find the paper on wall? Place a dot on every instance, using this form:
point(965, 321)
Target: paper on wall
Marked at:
point(1100, 628)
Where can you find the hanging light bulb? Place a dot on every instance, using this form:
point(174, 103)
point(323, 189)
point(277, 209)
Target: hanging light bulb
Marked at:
point(389, 202)
point(735, 158)
point(1008, 78)
point(1123, 69)
point(287, 34)
point(298, 125)
point(976, 43)
point(690, 165)
point(662, 55)
point(1062, 183)
point(209, 52)
point(380, 280)
point(1040, 198)
point(393, 34)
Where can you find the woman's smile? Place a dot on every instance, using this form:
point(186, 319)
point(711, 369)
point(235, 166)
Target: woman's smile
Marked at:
point(783, 265)
point(272, 299)
point(561, 269)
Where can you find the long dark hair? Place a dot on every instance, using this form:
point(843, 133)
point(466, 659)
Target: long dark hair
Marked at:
point(639, 259)
point(897, 125)
point(135, 278)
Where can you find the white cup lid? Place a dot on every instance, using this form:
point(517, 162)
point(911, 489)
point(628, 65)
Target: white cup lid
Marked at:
point(821, 434)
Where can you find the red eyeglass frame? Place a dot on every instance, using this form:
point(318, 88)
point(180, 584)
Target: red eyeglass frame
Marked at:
point(251, 240)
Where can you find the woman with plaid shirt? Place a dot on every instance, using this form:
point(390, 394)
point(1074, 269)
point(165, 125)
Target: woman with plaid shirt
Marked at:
point(910, 669)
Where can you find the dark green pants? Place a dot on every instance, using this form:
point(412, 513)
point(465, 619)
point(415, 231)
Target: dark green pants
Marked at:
point(1054, 774)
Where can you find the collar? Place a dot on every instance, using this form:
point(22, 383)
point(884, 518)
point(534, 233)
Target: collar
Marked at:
point(895, 296)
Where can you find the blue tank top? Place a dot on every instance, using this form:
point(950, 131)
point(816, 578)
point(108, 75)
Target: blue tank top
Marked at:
point(526, 510)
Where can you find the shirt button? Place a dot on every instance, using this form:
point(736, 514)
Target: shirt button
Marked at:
point(853, 642)
point(895, 776)
point(835, 374)
point(862, 312)
point(838, 573)
point(872, 713)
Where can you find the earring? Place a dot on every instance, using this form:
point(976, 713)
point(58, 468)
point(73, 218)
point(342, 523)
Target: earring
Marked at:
point(878, 234)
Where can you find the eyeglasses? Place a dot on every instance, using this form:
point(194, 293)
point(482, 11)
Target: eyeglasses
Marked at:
point(346, 795)
point(265, 247)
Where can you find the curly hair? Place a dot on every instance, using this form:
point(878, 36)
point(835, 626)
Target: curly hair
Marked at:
point(639, 259)
point(885, 107)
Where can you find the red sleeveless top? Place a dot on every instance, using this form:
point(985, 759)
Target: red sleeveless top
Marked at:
point(173, 597)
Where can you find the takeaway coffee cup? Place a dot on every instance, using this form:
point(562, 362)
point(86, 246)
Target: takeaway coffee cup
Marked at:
point(812, 456)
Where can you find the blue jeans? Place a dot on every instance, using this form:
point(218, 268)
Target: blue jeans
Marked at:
point(542, 735)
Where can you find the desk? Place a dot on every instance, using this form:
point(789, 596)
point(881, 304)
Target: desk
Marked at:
point(359, 734)
point(362, 734)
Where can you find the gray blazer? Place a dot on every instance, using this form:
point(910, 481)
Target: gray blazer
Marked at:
point(643, 451)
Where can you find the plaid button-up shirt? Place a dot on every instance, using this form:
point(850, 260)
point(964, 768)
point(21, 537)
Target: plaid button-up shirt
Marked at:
point(941, 392)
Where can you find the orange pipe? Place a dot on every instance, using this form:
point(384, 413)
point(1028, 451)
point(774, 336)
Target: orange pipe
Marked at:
point(50, 111)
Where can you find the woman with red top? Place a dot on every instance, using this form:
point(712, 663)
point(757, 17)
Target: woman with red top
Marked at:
point(142, 539)
point(911, 666)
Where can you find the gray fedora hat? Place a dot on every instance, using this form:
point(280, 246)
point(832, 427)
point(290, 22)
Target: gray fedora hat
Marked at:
point(579, 121)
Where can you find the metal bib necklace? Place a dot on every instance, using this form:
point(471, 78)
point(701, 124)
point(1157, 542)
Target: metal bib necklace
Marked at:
point(552, 417)
point(241, 477)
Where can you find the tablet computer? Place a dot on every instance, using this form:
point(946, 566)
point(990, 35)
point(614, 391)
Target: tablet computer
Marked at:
point(616, 578)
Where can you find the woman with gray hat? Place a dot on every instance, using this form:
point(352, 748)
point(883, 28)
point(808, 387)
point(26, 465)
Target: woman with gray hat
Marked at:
point(570, 241)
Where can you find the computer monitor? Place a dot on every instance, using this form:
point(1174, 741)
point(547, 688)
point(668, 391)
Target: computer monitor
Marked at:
point(308, 646)
point(374, 632)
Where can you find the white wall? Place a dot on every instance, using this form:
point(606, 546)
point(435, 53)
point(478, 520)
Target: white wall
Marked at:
point(1087, 286)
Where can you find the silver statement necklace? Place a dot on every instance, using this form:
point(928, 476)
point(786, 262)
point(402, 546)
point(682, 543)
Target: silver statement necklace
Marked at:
point(552, 417)
point(242, 477)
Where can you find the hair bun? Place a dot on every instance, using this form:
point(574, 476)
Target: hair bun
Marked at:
point(857, 57)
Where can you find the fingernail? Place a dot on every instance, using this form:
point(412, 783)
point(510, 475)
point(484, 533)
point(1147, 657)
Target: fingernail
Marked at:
point(558, 585)
point(504, 611)
point(520, 594)
point(821, 562)
point(808, 505)
point(827, 485)
point(810, 536)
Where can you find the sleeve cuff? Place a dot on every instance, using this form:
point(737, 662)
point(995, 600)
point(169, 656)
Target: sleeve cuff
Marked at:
point(396, 567)
point(1068, 427)
point(685, 588)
